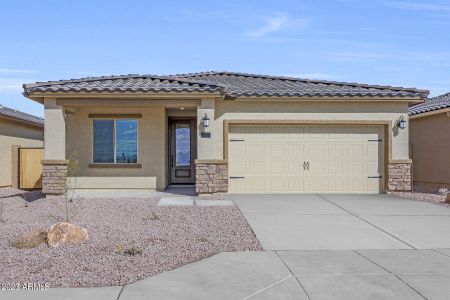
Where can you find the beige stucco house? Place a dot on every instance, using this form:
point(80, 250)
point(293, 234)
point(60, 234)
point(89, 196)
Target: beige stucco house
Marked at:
point(17, 129)
point(430, 143)
point(226, 132)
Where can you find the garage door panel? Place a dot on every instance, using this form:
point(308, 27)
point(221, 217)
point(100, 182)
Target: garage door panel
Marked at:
point(256, 167)
point(295, 133)
point(335, 184)
point(295, 150)
point(335, 150)
point(275, 159)
point(277, 183)
point(277, 150)
point(257, 150)
point(277, 167)
point(335, 167)
point(237, 185)
point(295, 183)
point(256, 183)
point(295, 167)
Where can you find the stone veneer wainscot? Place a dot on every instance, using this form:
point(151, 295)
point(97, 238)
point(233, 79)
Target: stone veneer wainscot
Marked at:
point(211, 176)
point(54, 176)
point(400, 176)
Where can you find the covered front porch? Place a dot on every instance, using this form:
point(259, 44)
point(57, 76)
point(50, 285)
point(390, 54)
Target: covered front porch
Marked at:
point(140, 143)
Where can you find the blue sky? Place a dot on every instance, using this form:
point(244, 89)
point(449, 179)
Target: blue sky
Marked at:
point(400, 43)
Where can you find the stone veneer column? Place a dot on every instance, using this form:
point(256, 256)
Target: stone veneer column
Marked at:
point(211, 176)
point(400, 176)
point(54, 165)
point(211, 173)
point(54, 176)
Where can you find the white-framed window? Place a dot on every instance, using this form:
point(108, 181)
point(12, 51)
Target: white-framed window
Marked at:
point(115, 141)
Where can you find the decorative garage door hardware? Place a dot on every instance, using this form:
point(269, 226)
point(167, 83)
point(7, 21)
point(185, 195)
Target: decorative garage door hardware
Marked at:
point(306, 165)
point(374, 176)
point(237, 140)
point(380, 140)
point(237, 177)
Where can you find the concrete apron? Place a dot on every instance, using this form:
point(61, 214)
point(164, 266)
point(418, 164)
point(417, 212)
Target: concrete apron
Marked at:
point(343, 274)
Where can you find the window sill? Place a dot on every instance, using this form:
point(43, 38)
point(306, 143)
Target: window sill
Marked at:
point(115, 166)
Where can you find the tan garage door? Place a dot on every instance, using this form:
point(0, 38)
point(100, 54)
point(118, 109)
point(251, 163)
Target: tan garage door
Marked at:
point(291, 158)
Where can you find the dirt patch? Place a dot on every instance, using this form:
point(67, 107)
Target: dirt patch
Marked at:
point(162, 238)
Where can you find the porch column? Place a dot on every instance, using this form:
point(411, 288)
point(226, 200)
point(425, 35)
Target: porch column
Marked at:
point(54, 165)
point(211, 174)
point(205, 135)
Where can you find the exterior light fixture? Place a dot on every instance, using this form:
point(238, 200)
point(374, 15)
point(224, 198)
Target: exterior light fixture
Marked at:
point(205, 121)
point(401, 123)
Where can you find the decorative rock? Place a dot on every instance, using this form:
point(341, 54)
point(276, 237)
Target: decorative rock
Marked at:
point(62, 233)
point(31, 239)
point(447, 199)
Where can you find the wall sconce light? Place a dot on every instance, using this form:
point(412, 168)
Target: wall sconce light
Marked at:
point(401, 123)
point(205, 121)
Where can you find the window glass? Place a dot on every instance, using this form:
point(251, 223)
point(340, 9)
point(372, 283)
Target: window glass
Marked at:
point(103, 141)
point(183, 144)
point(126, 141)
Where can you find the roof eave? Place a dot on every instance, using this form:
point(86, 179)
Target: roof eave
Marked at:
point(39, 96)
point(410, 99)
point(430, 113)
point(40, 125)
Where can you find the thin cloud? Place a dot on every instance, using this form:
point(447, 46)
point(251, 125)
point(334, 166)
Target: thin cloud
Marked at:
point(277, 23)
point(11, 85)
point(17, 71)
point(419, 6)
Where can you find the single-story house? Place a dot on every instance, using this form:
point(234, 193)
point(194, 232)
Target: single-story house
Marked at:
point(430, 143)
point(17, 129)
point(226, 132)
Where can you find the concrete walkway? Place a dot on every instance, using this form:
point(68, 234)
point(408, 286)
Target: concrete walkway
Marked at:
point(317, 247)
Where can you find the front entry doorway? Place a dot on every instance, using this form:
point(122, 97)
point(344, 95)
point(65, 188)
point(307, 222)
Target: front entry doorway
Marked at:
point(182, 150)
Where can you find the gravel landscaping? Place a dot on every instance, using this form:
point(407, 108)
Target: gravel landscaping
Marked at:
point(428, 197)
point(161, 239)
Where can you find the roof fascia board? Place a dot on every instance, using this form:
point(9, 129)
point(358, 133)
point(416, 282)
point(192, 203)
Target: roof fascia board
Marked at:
point(334, 98)
point(128, 102)
point(22, 121)
point(39, 97)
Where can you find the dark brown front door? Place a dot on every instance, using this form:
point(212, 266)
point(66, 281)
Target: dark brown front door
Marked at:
point(182, 151)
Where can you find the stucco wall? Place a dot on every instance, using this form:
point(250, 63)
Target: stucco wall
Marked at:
point(430, 145)
point(152, 149)
point(265, 110)
point(15, 133)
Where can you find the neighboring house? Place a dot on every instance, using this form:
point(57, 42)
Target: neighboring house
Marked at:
point(17, 129)
point(430, 143)
point(226, 132)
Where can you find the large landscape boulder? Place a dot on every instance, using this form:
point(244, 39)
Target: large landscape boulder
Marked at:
point(62, 233)
point(30, 239)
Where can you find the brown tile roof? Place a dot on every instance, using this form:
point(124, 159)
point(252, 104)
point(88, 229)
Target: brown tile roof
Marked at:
point(229, 84)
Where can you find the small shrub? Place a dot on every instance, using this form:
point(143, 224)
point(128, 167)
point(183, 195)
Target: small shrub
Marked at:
point(152, 217)
point(132, 249)
point(443, 191)
point(203, 239)
point(2, 211)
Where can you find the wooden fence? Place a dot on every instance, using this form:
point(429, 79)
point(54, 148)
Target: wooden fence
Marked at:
point(30, 168)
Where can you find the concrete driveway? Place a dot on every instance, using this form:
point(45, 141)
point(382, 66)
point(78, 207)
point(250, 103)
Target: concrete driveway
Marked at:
point(342, 222)
point(318, 247)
